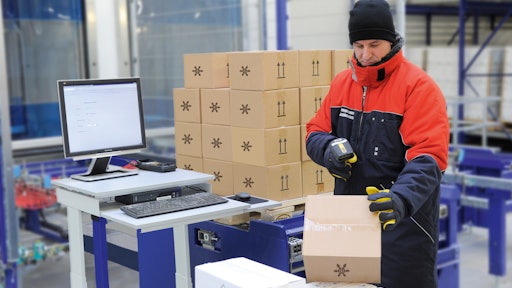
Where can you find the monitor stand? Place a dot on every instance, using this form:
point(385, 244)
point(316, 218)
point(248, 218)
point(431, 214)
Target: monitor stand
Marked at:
point(99, 169)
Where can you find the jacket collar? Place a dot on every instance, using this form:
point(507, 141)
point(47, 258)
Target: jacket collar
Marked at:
point(373, 76)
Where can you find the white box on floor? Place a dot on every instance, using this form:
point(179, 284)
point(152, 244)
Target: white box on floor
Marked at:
point(244, 273)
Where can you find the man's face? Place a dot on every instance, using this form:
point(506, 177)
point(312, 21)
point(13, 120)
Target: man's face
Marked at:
point(371, 51)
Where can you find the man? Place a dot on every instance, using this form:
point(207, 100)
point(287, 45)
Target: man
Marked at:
point(394, 116)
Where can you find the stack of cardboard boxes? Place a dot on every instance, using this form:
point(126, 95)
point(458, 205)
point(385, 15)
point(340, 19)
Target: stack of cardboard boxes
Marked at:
point(241, 117)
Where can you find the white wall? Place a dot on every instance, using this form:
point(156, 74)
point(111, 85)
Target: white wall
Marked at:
point(320, 24)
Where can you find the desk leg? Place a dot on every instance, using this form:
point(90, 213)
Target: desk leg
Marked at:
point(100, 251)
point(182, 256)
point(76, 248)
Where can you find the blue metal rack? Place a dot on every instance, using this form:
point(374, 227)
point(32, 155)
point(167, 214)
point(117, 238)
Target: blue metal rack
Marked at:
point(486, 179)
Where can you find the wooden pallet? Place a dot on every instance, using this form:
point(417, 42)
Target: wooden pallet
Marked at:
point(287, 209)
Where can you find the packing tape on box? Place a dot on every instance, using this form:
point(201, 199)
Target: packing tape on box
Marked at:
point(313, 226)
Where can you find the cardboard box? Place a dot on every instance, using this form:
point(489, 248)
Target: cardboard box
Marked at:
point(244, 273)
point(215, 106)
point(316, 179)
point(263, 70)
point(189, 163)
point(279, 182)
point(222, 184)
point(264, 109)
point(341, 240)
point(340, 60)
point(206, 70)
point(310, 100)
point(315, 67)
point(187, 105)
point(187, 138)
point(303, 152)
point(266, 147)
point(216, 142)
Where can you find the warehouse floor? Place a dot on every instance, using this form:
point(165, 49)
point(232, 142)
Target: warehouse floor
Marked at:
point(54, 271)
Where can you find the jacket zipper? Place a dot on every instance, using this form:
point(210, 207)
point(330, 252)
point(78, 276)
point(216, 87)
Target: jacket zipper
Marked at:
point(424, 230)
point(362, 112)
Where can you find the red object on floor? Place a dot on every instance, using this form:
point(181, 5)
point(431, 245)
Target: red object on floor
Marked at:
point(33, 197)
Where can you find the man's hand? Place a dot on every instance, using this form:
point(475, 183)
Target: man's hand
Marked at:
point(389, 206)
point(337, 168)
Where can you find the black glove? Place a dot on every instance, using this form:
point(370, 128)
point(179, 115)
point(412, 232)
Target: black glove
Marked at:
point(337, 168)
point(389, 205)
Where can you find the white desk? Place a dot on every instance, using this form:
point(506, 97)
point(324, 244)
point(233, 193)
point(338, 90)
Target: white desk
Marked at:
point(94, 198)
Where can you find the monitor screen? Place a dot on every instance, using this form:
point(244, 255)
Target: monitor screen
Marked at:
point(101, 118)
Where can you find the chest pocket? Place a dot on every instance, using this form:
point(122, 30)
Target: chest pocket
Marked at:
point(383, 140)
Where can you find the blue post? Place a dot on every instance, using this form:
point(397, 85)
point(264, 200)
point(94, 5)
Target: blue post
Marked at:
point(497, 232)
point(100, 251)
point(462, 71)
point(282, 25)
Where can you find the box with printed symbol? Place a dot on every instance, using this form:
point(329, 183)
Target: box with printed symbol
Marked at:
point(265, 109)
point(341, 60)
point(266, 147)
point(310, 101)
point(341, 239)
point(215, 107)
point(216, 142)
point(277, 182)
point(316, 179)
point(315, 67)
point(206, 70)
point(263, 70)
point(222, 184)
point(187, 137)
point(187, 105)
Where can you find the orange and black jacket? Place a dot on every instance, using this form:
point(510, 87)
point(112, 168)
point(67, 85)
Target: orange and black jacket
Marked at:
point(394, 116)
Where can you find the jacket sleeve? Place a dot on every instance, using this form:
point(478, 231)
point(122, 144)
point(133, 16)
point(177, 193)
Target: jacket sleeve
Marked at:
point(426, 131)
point(425, 128)
point(315, 146)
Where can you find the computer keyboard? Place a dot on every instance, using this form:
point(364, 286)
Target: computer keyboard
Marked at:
point(174, 204)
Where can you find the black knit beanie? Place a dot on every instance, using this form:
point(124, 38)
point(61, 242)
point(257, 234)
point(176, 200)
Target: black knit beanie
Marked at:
point(371, 19)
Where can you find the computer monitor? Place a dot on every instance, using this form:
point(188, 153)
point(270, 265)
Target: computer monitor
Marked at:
point(101, 118)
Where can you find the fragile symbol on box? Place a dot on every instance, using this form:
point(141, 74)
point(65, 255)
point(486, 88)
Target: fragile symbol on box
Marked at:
point(197, 71)
point(216, 143)
point(318, 102)
point(319, 176)
point(316, 68)
point(245, 71)
point(284, 183)
point(187, 139)
point(246, 146)
point(282, 146)
point(185, 106)
point(217, 175)
point(245, 109)
point(342, 270)
point(215, 107)
point(280, 112)
point(279, 66)
point(248, 182)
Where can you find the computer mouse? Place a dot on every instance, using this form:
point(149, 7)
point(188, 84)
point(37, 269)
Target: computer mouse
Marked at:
point(242, 196)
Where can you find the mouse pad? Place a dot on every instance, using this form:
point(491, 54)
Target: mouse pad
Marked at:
point(253, 200)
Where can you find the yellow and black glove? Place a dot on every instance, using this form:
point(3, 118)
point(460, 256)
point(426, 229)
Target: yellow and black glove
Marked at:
point(389, 206)
point(339, 157)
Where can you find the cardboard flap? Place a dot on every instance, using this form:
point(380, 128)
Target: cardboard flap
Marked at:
point(341, 240)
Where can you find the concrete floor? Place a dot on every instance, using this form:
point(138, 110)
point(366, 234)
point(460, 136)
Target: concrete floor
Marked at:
point(54, 272)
